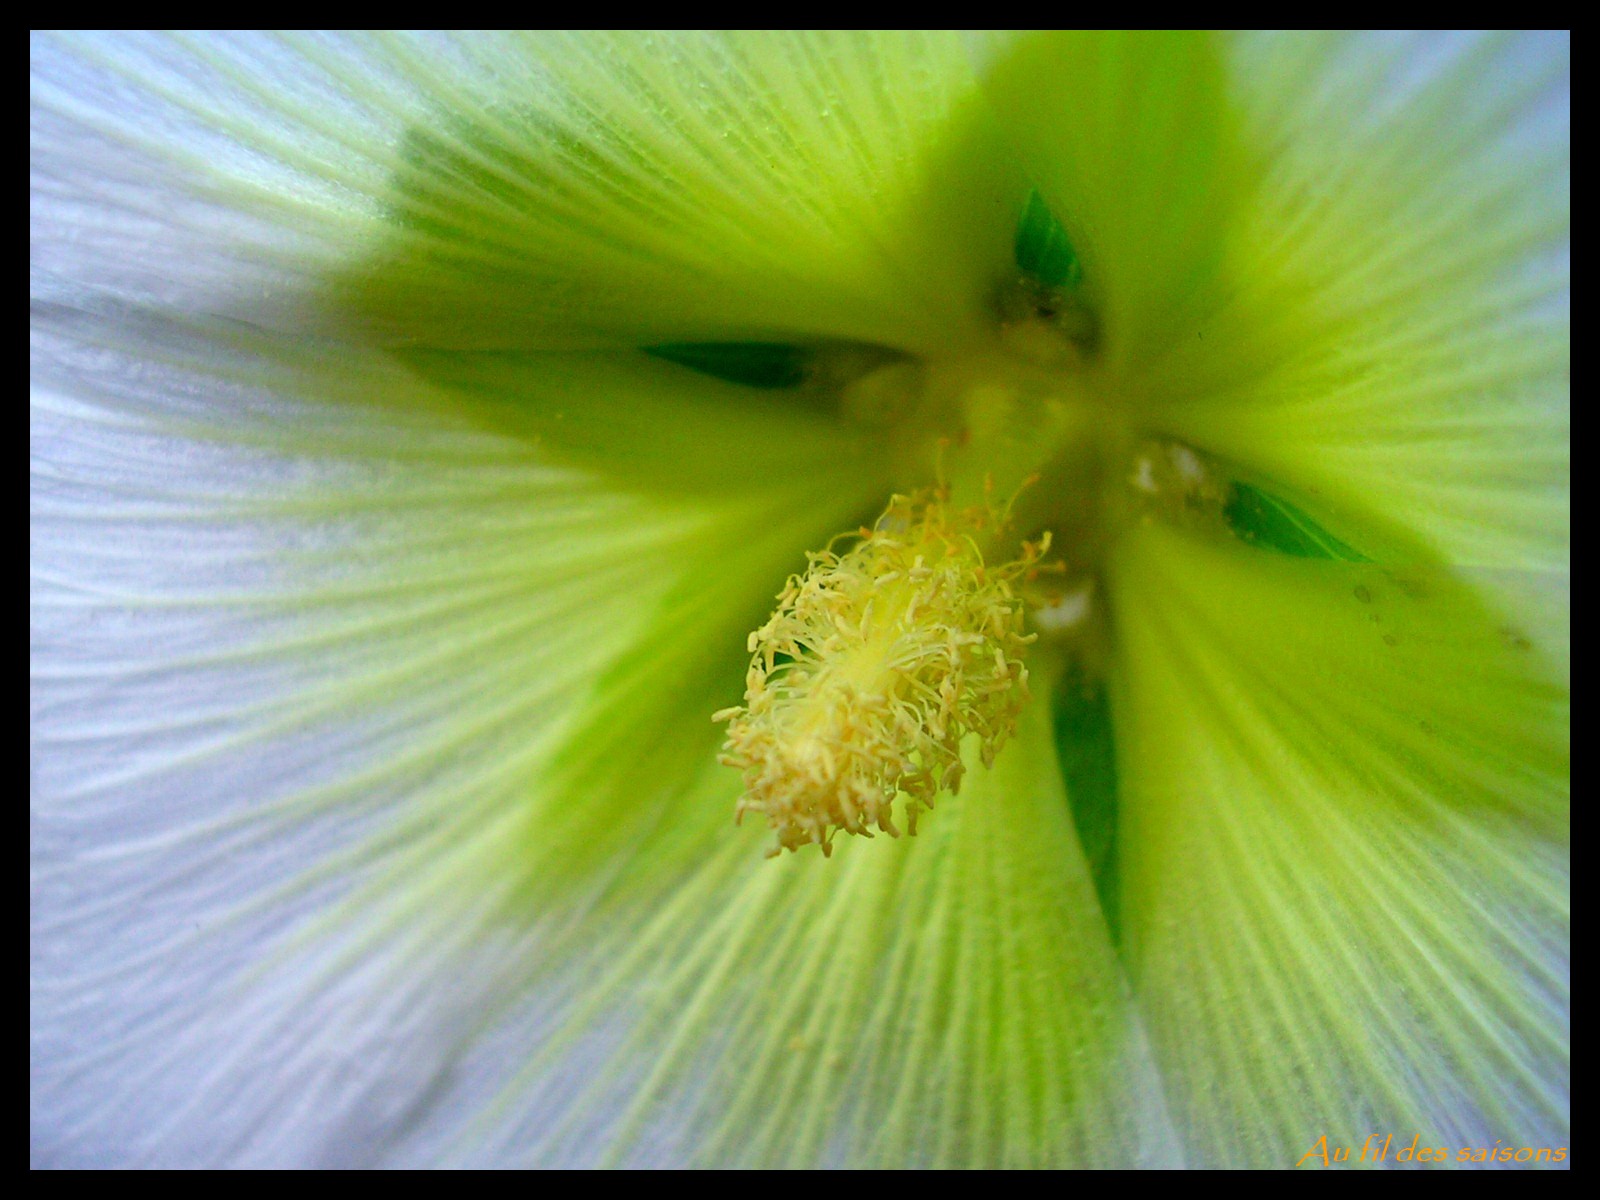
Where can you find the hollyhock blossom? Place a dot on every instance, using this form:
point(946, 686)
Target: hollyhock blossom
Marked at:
point(1164, 442)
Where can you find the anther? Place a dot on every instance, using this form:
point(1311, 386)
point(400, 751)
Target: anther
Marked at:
point(893, 653)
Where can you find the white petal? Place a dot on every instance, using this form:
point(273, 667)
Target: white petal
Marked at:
point(315, 645)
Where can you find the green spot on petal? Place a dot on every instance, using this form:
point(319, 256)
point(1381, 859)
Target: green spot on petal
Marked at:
point(1043, 249)
point(1263, 519)
point(755, 364)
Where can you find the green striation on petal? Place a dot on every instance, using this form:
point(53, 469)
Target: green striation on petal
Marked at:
point(643, 189)
point(1129, 141)
point(1340, 262)
point(944, 1000)
point(651, 425)
point(1344, 848)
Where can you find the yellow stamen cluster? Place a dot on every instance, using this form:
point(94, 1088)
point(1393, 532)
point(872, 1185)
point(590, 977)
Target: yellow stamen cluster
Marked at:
point(875, 666)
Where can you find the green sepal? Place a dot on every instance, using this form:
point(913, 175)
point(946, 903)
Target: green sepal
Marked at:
point(1087, 754)
point(1043, 249)
point(770, 365)
point(1271, 522)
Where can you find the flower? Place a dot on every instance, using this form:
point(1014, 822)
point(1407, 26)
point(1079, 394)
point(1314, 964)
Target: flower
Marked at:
point(420, 427)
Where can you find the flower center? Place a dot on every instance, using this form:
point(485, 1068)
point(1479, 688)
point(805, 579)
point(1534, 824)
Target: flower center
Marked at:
point(881, 661)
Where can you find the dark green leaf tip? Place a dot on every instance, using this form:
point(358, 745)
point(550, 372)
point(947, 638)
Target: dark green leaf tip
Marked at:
point(1271, 522)
point(768, 365)
point(1043, 250)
